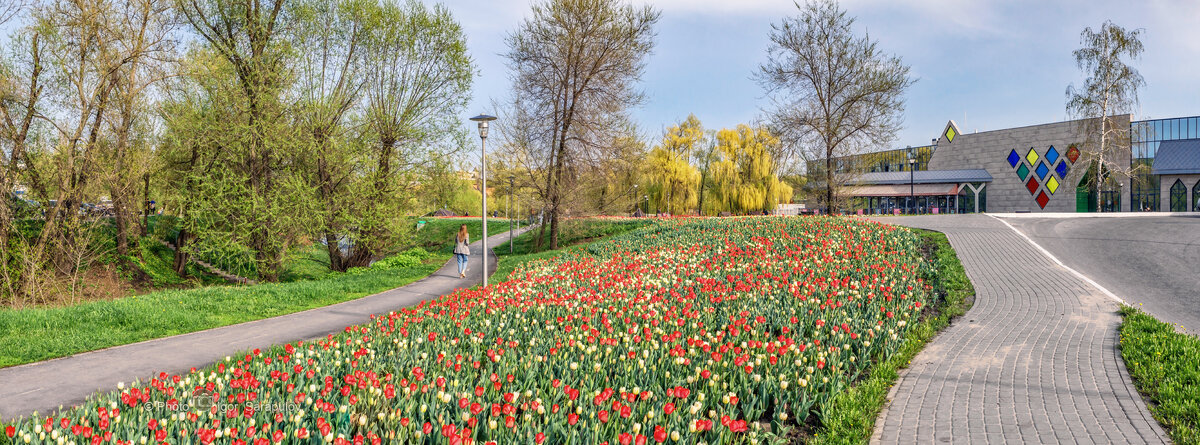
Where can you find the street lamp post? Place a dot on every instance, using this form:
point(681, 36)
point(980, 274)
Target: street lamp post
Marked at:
point(511, 202)
point(483, 120)
point(912, 187)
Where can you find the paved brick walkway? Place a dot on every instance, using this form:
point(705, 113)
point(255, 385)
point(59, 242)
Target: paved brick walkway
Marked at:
point(1036, 359)
point(68, 381)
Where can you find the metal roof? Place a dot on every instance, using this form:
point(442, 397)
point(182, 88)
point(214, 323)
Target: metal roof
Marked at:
point(1179, 157)
point(925, 177)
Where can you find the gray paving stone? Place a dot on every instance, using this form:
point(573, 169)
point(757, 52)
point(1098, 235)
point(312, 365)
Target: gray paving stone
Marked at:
point(1040, 347)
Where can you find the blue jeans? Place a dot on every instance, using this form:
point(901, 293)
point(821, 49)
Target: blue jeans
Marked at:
point(462, 263)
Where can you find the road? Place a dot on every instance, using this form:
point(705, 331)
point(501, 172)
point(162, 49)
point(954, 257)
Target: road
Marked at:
point(1152, 262)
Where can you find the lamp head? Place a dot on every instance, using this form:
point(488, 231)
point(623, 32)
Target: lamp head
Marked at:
point(483, 120)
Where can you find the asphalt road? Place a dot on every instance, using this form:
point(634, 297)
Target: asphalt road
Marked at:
point(1151, 262)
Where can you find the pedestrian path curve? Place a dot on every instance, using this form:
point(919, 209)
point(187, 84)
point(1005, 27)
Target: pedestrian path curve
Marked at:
point(1035, 360)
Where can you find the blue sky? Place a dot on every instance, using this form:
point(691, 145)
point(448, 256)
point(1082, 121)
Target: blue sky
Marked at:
point(986, 64)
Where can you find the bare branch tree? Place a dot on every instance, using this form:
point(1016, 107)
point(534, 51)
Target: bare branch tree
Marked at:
point(834, 93)
point(574, 65)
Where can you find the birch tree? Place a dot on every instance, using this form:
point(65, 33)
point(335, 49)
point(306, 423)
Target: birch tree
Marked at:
point(1110, 89)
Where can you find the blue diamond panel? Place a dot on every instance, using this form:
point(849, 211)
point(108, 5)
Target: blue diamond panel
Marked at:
point(1051, 156)
point(1013, 158)
point(1062, 169)
point(1042, 170)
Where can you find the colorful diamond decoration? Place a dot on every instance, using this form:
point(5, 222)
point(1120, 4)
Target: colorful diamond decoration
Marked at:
point(950, 134)
point(1042, 200)
point(1073, 154)
point(1013, 158)
point(1042, 170)
point(1032, 156)
point(1052, 185)
point(1062, 169)
point(1051, 155)
point(1023, 171)
point(1032, 185)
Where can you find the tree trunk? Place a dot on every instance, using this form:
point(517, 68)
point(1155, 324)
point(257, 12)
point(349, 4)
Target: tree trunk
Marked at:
point(181, 256)
point(335, 252)
point(145, 203)
point(122, 222)
point(829, 205)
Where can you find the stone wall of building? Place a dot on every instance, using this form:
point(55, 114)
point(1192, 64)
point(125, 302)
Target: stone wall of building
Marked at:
point(1164, 189)
point(1007, 192)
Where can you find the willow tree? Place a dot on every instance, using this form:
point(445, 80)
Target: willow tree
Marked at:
point(744, 172)
point(575, 64)
point(249, 204)
point(328, 37)
point(674, 182)
point(834, 92)
point(1109, 90)
point(418, 79)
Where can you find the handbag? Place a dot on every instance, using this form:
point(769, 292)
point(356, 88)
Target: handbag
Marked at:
point(461, 248)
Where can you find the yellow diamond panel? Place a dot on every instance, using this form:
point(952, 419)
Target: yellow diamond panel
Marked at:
point(950, 134)
point(1032, 157)
point(1052, 184)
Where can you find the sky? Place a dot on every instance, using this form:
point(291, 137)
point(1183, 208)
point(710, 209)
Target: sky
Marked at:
point(986, 64)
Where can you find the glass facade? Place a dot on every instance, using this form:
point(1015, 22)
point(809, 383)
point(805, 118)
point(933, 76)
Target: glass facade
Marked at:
point(876, 205)
point(895, 160)
point(1145, 137)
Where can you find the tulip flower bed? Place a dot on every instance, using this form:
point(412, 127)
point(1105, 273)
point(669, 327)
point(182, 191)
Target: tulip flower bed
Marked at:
point(688, 331)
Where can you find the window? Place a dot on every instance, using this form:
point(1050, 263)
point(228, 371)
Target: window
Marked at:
point(1178, 197)
point(1196, 197)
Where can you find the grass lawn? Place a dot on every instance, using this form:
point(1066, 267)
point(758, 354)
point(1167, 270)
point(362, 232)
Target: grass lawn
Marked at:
point(852, 413)
point(311, 262)
point(1165, 365)
point(31, 335)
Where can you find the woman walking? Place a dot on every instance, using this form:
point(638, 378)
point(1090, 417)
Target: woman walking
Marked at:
point(461, 250)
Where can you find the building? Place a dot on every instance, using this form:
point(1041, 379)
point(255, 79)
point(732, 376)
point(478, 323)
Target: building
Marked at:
point(1037, 168)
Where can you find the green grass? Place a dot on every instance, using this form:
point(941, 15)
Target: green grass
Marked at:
point(31, 335)
point(574, 234)
point(850, 416)
point(437, 235)
point(1165, 366)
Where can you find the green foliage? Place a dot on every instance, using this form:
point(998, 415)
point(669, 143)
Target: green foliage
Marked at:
point(743, 173)
point(674, 183)
point(850, 416)
point(1165, 365)
point(409, 258)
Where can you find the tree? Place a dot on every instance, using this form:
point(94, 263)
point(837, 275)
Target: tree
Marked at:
point(575, 63)
point(417, 85)
point(834, 93)
point(22, 92)
point(674, 182)
point(743, 172)
point(248, 203)
point(1109, 90)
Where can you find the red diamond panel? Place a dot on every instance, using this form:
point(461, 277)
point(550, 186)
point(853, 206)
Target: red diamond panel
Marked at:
point(1032, 185)
point(1042, 199)
point(1073, 154)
